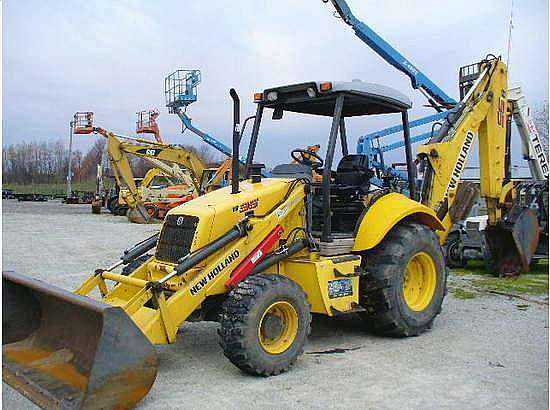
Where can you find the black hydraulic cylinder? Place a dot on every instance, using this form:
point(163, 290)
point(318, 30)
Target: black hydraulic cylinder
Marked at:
point(192, 259)
point(411, 172)
point(236, 141)
point(139, 249)
point(271, 260)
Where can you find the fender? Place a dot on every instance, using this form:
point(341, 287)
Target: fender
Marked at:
point(387, 212)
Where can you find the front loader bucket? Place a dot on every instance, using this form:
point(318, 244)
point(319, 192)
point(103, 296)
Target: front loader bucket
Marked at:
point(512, 245)
point(65, 351)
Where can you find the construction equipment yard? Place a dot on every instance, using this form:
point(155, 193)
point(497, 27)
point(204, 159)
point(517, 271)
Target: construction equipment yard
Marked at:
point(487, 349)
point(342, 239)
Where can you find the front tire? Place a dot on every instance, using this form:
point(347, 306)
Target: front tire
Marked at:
point(405, 283)
point(265, 322)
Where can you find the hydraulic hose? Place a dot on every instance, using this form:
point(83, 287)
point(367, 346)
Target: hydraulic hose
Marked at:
point(276, 257)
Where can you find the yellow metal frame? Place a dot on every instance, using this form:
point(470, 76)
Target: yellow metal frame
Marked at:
point(387, 212)
point(288, 316)
point(485, 117)
point(419, 282)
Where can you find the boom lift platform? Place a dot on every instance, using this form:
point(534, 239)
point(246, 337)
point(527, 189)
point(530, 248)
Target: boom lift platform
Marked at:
point(180, 90)
point(147, 123)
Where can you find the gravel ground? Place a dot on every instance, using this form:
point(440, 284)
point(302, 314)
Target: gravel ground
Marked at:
point(481, 353)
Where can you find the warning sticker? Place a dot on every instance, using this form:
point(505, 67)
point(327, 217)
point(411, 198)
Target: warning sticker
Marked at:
point(340, 288)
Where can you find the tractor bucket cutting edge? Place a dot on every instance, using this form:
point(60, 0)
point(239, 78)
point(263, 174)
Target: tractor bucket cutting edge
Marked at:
point(513, 244)
point(62, 350)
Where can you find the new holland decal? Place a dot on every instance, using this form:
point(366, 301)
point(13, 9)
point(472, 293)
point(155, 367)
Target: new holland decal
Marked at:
point(214, 272)
point(460, 162)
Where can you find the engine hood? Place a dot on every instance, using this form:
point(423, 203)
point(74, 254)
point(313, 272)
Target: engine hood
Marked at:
point(219, 211)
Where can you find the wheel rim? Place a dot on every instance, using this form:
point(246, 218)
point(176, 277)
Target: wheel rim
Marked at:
point(419, 282)
point(278, 327)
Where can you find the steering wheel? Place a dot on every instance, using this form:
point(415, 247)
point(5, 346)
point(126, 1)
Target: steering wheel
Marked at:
point(309, 158)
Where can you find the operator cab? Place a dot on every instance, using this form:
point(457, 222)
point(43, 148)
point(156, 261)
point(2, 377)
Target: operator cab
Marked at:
point(337, 201)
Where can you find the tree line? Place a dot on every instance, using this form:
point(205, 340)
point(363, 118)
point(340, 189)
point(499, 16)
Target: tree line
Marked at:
point(47, 162)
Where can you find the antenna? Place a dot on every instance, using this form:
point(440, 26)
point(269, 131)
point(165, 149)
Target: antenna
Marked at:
point(510, 28)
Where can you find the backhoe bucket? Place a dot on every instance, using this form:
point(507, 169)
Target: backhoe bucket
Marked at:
point(65, 351)
point(139, 214)
point(512, 245)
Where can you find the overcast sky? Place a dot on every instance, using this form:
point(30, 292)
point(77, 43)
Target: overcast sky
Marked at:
point(111, 57)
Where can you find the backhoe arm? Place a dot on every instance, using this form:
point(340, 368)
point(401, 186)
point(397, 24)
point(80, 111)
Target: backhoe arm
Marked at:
point(122, 170)
point(156, 151)
point(512, 232)
point(170, 153)
point(482, 113)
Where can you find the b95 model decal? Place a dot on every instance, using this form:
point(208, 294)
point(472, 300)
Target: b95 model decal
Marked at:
point(247, 206)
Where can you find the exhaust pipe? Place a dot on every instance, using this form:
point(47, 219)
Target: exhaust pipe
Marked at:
point(236, 141)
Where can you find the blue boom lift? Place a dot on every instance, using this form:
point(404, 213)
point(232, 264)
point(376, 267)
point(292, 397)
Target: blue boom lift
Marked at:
point(370, 144)
point(180, 90)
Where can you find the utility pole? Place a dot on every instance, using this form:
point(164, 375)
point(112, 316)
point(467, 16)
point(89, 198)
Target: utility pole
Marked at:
point(69, 172)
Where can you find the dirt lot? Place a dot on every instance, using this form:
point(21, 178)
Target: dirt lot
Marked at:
point(484, 351)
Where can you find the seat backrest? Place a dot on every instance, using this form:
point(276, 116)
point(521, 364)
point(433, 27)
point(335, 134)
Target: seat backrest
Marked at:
point(353, 169)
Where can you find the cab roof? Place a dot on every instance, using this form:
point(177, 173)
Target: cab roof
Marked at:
point(360, 98)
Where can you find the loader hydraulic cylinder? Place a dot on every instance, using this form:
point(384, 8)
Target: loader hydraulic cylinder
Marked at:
point(238, 231)
point(256, 257)
point(139, 249)
point(278, 256)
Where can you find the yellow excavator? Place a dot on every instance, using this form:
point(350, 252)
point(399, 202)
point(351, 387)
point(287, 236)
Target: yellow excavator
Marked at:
point(156, 153)
point(260, 256)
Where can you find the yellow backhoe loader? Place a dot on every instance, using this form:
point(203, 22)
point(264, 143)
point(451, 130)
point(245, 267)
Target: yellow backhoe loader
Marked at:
point(261, 255)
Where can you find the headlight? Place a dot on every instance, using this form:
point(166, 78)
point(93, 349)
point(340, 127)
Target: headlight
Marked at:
point(311, 92)
point(272, 96)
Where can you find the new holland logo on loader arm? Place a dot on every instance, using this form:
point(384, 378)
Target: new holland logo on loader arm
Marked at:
point(307, 247)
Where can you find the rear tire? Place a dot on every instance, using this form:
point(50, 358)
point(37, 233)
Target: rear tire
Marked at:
point(405, 283)
point(265, 322)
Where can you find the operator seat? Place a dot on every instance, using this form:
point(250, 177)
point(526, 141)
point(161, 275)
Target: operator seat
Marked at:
point(353, 175)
